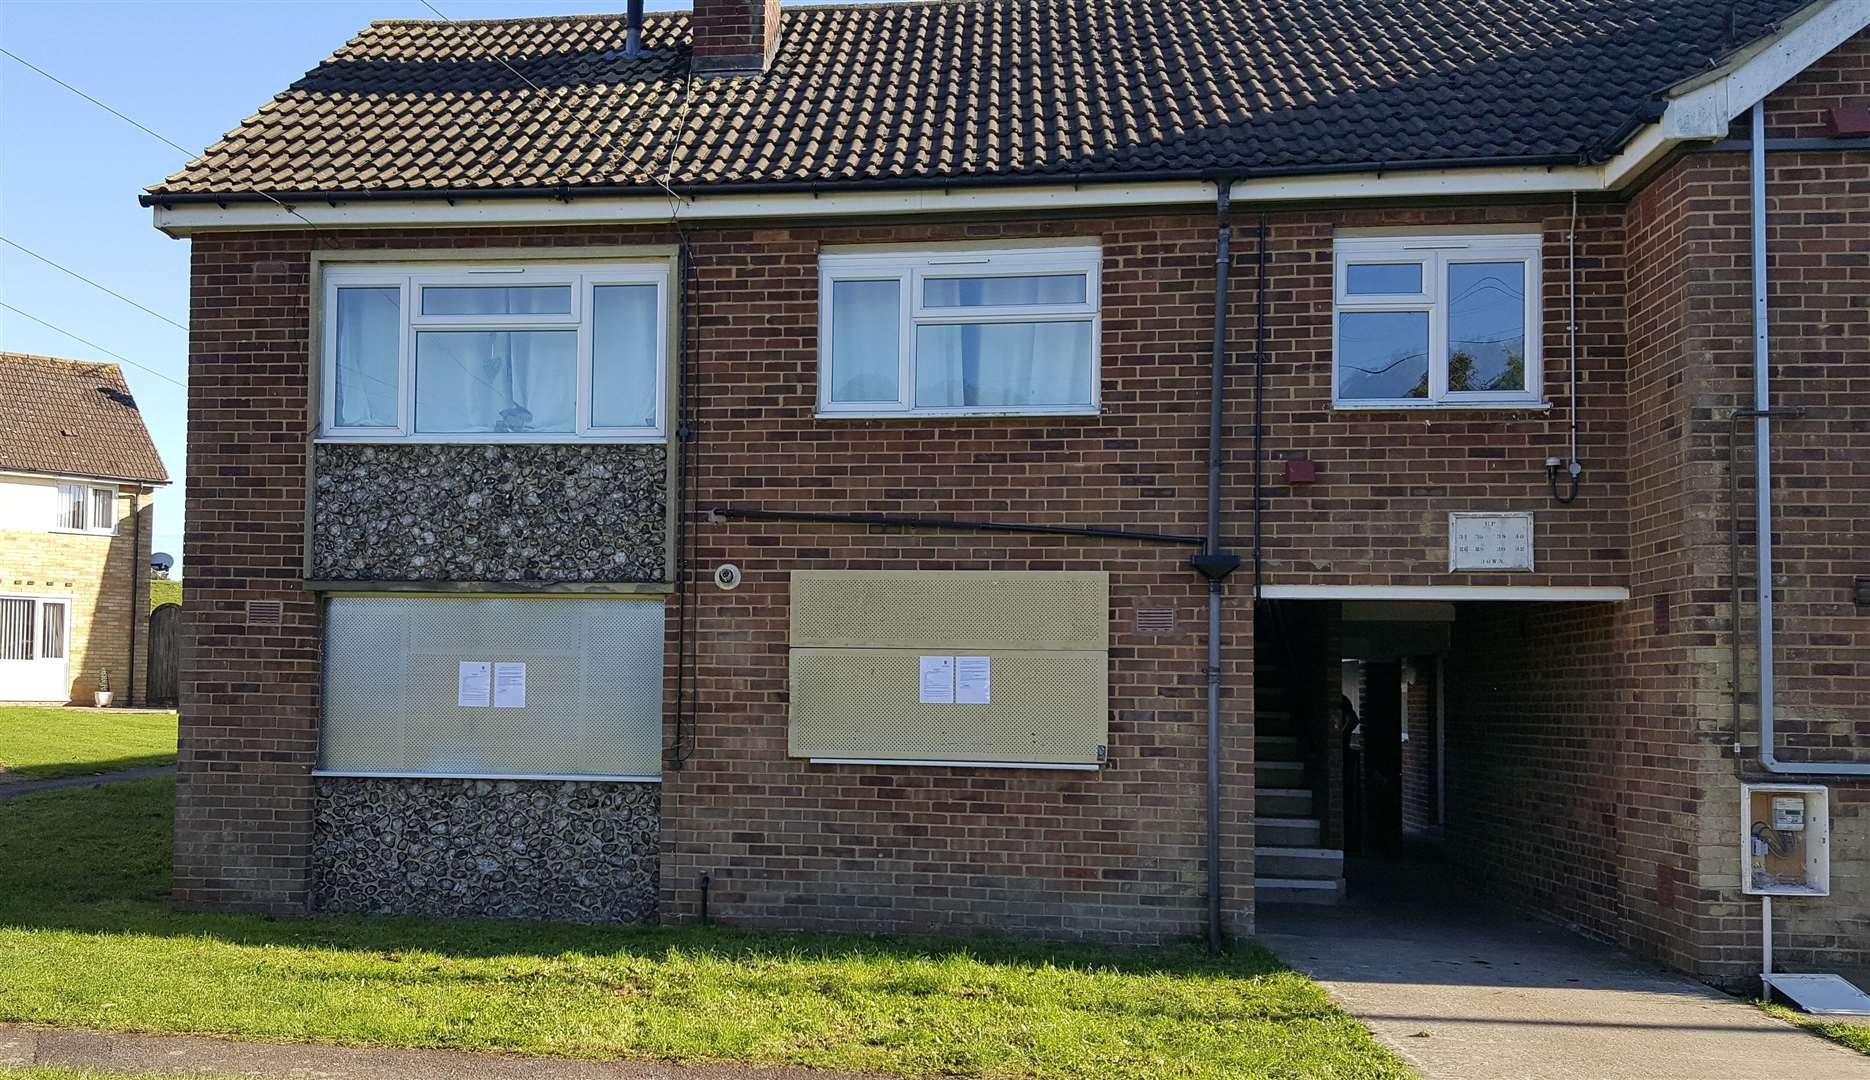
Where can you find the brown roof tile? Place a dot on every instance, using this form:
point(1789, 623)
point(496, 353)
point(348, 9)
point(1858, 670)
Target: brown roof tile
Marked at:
point(975, 90)
point(72, 418)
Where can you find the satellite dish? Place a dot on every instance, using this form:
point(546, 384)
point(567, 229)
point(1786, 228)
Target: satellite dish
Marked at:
point(161, 562)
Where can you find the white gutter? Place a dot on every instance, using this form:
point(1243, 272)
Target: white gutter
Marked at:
point(1763, 476)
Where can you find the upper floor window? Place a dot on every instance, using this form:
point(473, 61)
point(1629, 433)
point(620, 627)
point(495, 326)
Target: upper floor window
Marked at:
point(496, 353)
point(1436, 321)
point(959, 332)
point(83, 508)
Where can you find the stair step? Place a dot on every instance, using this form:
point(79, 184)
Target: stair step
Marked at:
point(1299, 862)
point(1298, 832)
point(1276, 747)
point(1282, 802)
point(1275, 890)
point(1278, 774)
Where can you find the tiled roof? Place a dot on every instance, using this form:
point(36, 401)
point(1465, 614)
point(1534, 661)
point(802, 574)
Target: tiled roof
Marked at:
point(979, 89)
point(71, 418)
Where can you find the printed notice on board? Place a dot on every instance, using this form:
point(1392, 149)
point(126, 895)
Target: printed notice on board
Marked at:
point(509, 686)
point(937, 680)
point(471, 691)
point(973, 679)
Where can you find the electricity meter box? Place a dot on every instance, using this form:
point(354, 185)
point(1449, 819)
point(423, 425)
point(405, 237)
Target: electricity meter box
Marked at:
point(1785, 840)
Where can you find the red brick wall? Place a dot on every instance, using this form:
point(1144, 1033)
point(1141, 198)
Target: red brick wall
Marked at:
point(1532, 744)
point(1378, 513)
point(248, 695)
point(734, 35)
point(1419, 781)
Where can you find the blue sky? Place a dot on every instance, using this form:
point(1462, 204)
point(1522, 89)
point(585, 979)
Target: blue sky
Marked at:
point(70, 172)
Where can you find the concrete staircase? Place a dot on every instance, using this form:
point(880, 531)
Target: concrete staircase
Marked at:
point(1289, 866)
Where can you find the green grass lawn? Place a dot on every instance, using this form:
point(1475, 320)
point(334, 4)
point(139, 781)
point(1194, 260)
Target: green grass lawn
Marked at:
point(164, 592)
point(1853, 1033)
point(37, 743)
point(89, 941)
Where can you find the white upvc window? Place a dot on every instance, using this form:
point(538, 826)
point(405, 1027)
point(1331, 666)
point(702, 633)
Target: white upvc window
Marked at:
point(85, 508)
point(496, 352)
point(959, 332)
point(1436, 322)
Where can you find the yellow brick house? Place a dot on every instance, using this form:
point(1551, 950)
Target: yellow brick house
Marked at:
point(78, 474)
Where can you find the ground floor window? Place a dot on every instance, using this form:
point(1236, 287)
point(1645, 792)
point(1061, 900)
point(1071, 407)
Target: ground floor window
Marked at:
point(492, 686)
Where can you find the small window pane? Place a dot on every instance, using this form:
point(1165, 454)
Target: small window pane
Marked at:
point(1003, 365)
point(1487, 326)
point(1382, 355)
point(1003, 291)
point(496, 300)
point(496, 381)
point(71, 506)
point(52, 631)
point(103, 509)
point(1383, 279)
point(866, 341)
point(369, 323)
point(623, 356)
point(15, 629)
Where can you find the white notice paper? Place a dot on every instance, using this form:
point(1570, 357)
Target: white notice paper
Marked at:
point(471, 690)
point(937, 680)
point(973, 679)
point(509, 686)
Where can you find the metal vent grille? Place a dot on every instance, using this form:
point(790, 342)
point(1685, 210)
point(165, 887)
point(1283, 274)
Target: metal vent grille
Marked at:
point(1048, 708)
point(1155, 620)
point(593, 686)
point(266, 613)
point(954, 610)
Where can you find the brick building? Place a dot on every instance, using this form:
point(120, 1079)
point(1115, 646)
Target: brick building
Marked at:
point(775, 474)
point(78, 477)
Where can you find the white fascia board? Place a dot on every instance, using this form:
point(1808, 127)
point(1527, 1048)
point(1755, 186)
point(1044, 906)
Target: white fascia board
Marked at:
point(1587, 593)
point(1702, 107)
point(183, 219)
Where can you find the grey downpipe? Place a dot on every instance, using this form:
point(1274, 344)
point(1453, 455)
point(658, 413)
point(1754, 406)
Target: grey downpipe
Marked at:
point(1763, 475)
point(1213, 563)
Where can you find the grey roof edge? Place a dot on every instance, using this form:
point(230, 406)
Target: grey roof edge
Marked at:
point(146, 481)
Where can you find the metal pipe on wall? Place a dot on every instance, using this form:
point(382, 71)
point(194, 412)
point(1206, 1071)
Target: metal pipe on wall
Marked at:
point(1762, 414)
point(1211, 562)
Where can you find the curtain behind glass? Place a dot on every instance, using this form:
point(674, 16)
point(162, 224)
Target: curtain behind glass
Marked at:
point(496, 381)
point(623, 356)
point(866, 341)
point(1003, 365)
point(369, 324)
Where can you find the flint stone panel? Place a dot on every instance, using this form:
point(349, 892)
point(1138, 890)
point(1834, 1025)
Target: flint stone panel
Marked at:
point(568, 850)
point(540, 512)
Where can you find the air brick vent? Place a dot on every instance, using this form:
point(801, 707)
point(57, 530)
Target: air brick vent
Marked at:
point(265, 613)
point(1155, 620)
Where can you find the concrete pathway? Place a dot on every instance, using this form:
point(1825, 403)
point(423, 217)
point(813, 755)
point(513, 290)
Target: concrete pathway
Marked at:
point(13, 789)
point(1466, 990)
point(118, 1052)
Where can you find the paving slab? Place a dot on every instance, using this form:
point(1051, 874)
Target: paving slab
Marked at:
point(1468, 990)
point(183, 1055)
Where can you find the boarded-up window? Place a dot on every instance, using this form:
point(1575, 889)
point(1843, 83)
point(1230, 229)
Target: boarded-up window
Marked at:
point(987, 667)
point(492, 686)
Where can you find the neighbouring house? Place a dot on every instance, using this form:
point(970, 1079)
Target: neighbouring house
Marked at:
point(795, 467)
point(78, 476)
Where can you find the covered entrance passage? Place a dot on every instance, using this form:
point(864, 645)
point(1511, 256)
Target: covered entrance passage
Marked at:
point(1478, 735)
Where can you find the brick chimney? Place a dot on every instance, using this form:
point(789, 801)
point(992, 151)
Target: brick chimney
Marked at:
point(735, 37)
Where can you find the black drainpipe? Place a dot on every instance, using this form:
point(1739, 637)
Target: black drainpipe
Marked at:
point(1213, 563)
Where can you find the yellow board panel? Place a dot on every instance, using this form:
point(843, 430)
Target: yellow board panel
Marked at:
point(952, 610)
point(1048, 707)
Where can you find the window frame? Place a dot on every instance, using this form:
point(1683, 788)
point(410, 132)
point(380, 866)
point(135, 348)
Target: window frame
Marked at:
point(89, 501)
point(411, 279)
point(1437, 253)
point(912, 269)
